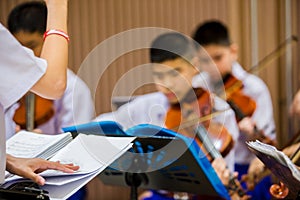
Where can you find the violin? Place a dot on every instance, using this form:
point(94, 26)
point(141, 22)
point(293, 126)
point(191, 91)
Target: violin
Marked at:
point(33, 111)
point(219, 141)
point(199, 102)
point(281, 191)
point(242, 105)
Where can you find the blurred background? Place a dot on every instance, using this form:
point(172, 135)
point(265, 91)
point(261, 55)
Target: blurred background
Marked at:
point(258, 27)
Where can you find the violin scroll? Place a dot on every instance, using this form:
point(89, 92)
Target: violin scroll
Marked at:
point(279, 191)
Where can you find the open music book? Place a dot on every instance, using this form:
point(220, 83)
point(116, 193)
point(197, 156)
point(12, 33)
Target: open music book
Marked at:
point(279, 164)
point(26, 144)
point(93, 153)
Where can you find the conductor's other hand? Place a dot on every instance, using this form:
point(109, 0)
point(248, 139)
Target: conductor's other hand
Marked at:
point(30, 167)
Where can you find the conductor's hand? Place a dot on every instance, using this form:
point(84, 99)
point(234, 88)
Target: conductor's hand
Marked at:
point(30, 167)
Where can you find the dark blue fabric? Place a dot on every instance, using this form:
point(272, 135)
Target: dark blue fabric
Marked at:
point(79, 195)
point(261, 190)
point(157, 196)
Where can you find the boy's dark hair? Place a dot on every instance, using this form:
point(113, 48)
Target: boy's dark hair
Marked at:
point(29, 17)
point(212, 32)
point(170, 46)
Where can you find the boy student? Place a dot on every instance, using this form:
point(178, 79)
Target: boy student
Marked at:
point(173, 58)
point(27, 22)
point(46, 78)
point(214, 38)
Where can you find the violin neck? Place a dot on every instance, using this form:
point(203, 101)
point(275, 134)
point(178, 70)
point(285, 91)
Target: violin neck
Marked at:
point(202, 134)
point(30, 107)
point(260, 135)
point(238, 113)
point(296, 155)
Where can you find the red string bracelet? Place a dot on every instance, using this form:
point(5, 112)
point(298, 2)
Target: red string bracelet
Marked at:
point(56, 32)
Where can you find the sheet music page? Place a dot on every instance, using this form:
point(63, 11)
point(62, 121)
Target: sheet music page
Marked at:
point(91, 153)
point(26, 144)
point(278, 155)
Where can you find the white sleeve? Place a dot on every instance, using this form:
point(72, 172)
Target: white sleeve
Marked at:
point(227, 118)
point(125, 116)
point(20, 69)
point(263, 115)
point(77, 105)
point(145, 109)
point(2, 145)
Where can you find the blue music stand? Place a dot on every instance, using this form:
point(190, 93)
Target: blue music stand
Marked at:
point(150, 165)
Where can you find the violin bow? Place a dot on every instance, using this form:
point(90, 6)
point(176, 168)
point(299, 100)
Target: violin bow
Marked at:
point(197, 120)
point(274, 54)
point(262, 63)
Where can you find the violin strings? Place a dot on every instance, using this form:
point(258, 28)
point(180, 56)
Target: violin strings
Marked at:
point(199, 120)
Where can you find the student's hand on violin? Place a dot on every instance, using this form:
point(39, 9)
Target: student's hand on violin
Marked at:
point(222, 170)
point(247, 126)
point(255, 172)
point(223, 173)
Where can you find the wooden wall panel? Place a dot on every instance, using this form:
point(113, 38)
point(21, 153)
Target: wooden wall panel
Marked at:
point(91, 22)
point(112, 17)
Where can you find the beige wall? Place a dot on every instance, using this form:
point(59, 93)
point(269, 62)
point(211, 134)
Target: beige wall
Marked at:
point(93, 21)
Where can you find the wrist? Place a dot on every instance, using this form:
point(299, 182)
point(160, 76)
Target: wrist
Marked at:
point(9, 162)
point(57, 15)
point(56, 32)
point(56, 3)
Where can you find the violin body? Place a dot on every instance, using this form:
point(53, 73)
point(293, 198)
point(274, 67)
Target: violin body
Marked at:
point(220, 141)
point(242, 105)
point(43, 111)
point(202, 106)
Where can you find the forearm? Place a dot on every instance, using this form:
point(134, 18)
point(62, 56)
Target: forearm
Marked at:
point(55, 52)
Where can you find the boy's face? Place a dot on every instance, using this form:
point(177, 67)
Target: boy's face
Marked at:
point(220, 56)
point(174, 78)
point(32, 41)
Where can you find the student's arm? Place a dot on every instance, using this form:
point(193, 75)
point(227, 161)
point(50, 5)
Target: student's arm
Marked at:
point(55, 51)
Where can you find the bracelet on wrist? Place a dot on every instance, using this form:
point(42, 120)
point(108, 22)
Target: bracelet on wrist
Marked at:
point(56, 32)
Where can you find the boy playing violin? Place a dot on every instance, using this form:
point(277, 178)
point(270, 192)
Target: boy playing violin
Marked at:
point(214, 39)
point(174, 66)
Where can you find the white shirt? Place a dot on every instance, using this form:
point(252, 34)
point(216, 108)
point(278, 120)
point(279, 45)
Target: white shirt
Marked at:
point(152, 108)
point(255, 88)
point(76, 106)
point(20, 70)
